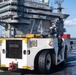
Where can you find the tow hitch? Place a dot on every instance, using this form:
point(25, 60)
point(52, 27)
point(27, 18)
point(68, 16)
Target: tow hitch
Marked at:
point(12, 66)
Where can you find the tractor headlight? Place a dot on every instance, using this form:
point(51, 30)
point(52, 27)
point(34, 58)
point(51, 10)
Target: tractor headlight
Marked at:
point(33, 43)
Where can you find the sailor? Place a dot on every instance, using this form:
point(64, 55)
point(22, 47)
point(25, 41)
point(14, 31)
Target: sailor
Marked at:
point(52, 31)
point(60, 46)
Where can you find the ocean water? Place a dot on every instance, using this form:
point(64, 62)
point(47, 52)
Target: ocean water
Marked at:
point(74, 43)
point(73, 38)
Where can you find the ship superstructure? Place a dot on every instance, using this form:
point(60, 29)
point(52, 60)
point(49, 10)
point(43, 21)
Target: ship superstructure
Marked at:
point(19, 17)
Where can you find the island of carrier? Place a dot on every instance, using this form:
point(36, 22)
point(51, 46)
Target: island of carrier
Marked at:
point(32, 35)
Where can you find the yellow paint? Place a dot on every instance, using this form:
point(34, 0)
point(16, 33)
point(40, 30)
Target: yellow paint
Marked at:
point(37, 35)
point(25, 40)
point(30, 35)
point(26, 67)
point(3, 39)
point(51, 38)
point(3, 65)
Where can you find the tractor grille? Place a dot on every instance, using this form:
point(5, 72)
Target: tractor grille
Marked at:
point(14, 49)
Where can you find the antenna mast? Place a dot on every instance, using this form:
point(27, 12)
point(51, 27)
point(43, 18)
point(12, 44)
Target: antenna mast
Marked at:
point(59, 3)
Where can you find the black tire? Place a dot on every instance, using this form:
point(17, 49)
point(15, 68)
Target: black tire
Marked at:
point(65, 53)
point(45, 62)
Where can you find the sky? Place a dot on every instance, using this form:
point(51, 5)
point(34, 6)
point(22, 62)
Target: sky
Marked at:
point(70, 22)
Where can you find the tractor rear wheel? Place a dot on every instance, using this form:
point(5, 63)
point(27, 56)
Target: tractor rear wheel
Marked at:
point(45, 62)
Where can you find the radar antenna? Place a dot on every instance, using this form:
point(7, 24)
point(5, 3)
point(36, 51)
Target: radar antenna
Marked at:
point(59, 2)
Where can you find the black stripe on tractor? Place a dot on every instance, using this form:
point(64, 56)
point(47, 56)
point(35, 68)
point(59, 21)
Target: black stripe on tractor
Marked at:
point(14, 49)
